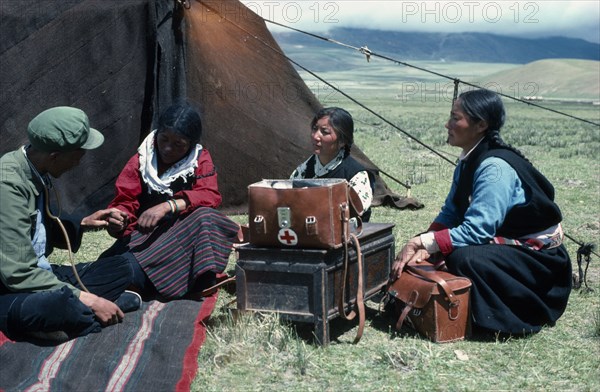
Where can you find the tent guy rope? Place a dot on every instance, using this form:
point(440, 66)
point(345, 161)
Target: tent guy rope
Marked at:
point(368, 53)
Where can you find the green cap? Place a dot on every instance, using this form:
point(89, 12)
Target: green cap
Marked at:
point(63, 128)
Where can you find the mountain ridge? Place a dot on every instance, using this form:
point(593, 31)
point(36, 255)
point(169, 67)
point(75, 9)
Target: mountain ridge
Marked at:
point(464, 47)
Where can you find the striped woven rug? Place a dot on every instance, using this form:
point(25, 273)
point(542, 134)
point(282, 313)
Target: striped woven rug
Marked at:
point(154, 349)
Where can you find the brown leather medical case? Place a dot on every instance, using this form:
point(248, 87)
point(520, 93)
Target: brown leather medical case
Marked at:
point(435, 303)
point(298, 213)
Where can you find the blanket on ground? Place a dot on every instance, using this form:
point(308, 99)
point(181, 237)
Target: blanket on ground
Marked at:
point(154, 349)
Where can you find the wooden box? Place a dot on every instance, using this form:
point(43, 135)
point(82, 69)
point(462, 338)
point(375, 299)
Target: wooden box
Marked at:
point(303, 284)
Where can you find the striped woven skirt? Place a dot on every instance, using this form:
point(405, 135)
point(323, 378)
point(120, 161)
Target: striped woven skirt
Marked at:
point(177, 253)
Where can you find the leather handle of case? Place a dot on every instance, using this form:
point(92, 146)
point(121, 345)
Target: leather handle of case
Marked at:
point(435, 278)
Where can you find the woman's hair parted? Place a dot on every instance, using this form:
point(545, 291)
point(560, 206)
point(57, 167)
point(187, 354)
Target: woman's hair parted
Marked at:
point(342, 123)
point(486, 105)
point(183, 119)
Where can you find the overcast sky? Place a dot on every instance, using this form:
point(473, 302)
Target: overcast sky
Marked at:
point(525, 19)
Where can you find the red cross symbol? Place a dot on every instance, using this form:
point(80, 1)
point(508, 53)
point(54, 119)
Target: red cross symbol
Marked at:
point(287, 237)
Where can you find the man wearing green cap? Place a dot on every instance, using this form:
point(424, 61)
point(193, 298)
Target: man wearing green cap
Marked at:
point(38, 299)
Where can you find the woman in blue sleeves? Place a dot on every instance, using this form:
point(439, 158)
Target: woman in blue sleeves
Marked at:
point(499, 226)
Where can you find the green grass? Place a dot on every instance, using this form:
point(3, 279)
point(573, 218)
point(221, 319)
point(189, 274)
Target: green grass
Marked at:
point(255, 352)
point(568, 79)
point(265, 354)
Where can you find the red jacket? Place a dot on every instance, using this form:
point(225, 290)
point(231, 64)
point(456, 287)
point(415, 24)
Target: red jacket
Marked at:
point(204, 192)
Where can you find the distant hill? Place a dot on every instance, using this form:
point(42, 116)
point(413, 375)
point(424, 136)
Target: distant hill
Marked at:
point(555, 79)
point(464, 47)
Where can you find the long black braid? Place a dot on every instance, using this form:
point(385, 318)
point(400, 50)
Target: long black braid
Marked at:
point(497, 142)
point(486, 105)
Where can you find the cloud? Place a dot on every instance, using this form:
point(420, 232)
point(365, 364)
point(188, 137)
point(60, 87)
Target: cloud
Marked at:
point(534, 19)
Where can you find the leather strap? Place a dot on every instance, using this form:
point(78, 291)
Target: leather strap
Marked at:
point(345, 216)
point(414, 295)
point(360, 290)
point(437, 279)
point(355, 212)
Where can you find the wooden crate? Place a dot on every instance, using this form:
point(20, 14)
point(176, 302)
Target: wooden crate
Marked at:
point(303, 284)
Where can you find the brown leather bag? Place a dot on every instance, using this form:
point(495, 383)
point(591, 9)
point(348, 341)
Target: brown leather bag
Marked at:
point(298, 213)
point(435, 303)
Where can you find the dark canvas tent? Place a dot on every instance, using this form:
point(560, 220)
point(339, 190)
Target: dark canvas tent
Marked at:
point(124, 61)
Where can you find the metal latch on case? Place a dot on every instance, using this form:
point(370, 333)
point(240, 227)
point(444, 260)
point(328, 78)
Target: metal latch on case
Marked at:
point(284, 217)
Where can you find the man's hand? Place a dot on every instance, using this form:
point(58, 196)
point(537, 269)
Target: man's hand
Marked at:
point(112, 219)
point(106, 312)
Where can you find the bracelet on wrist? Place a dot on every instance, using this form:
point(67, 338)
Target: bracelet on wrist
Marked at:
point(172, 205)
point(176, 211)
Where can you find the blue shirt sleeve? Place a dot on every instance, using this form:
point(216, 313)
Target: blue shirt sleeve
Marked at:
point(496, 189)
point(448, 215)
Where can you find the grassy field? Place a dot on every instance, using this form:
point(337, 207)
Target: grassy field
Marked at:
point(568, 79)
point(256, 352)
point(260, 353)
